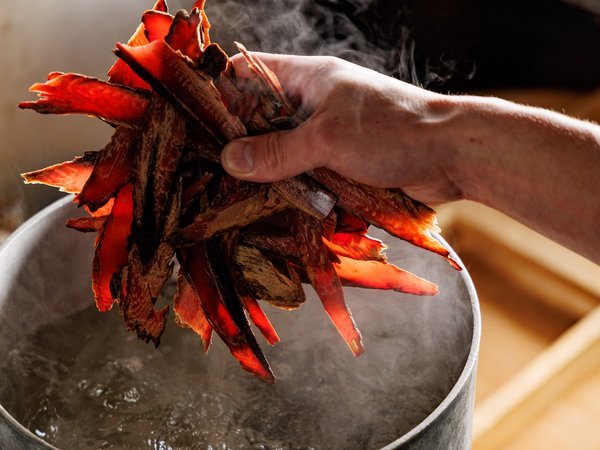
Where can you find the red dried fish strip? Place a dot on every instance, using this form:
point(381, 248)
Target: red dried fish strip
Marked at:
point(349, 223)
point(260, 319)
point(189, 313)
point(111, 249)
point(72, 93)
point(396, 213)
point(219, 253)
point(324, 280)
point(161, 5)
point(87, 224)
point(205, 23)
point(184, 36)
point(103, 210)
point(243, 105)
point(120, 72)
point(111, 170)
point(180, 32)
point(197, 267)
point(366, 274)
point(142, 282)
point(156, 25)
point(329, 224)
point(356, 246)
point(177, 80)
point(156, 215)
point(199, 4)
point(382, 275)
point(282, 245)
point(69, 176)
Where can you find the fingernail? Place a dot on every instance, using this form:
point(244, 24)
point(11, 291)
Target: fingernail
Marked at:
point(238, 157)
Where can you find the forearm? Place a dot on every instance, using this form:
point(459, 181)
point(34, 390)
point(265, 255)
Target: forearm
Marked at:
point(539, 167)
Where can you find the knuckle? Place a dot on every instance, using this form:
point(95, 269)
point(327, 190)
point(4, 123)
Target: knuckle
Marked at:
point(330, 67)
point(332, 63)
point(323, 138)
point(273, 159)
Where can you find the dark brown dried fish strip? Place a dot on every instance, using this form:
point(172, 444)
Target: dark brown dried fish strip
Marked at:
point(264, 281)
point(244, 211)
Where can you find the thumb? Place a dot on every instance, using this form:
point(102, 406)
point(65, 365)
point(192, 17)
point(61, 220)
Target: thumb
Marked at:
point(269, 157)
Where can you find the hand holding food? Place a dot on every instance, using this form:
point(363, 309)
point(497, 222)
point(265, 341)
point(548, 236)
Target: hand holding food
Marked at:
point(361, 124)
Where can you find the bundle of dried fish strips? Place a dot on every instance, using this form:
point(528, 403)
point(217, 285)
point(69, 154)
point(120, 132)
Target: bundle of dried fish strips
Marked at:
point(157, 193)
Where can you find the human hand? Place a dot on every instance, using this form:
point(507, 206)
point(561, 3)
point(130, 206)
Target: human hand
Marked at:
point(535, 165)
point(364, 125)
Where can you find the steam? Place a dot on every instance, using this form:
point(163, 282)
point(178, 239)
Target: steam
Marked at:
point(319, 27)
point(370, 33)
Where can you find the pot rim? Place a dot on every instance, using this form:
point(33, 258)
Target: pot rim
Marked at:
point(458, 387)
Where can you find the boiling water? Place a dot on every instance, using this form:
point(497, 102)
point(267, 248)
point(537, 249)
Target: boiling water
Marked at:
point(85, 382)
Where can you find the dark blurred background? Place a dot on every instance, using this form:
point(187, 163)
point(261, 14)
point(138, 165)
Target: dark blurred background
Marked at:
point(464, 45)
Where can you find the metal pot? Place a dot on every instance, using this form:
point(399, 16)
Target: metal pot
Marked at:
point(425, 349)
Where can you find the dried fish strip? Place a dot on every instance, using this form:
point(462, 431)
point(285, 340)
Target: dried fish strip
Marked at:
point(198, 270)
point(264, 281)
point(260, 319)
point(245, 211)
point(193, 91)
point(77, 94)
point(324, 279)
point(69, 176)
point(111, 248)
point(120, 72)
point(111, 170)
point(394, 212)
point(87, 224)
point(189, 313)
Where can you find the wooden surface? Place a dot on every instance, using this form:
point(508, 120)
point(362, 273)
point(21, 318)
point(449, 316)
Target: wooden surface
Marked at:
point(570, 422)
point(540, 349)
point(551, 382)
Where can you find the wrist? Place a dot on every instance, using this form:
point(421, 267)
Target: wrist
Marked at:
point(455, 139)
point(471, 141)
